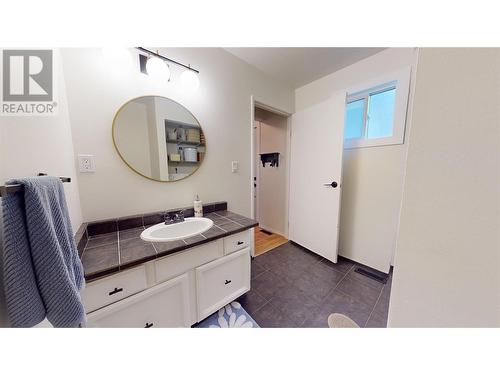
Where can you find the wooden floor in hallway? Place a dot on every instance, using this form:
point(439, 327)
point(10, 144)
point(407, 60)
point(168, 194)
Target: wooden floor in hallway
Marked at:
point(265, 242)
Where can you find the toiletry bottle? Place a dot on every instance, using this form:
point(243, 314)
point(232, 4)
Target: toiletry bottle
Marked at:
point(198, 207)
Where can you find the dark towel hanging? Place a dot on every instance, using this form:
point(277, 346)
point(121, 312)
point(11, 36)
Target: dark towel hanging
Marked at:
point(272, 158)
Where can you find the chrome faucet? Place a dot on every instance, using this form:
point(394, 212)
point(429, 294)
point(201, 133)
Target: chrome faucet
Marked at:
point(172, 218)
point(179, 216)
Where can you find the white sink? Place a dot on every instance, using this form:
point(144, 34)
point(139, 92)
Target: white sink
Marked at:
point(191, 226)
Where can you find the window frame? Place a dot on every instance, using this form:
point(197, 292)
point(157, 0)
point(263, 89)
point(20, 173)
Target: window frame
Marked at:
point(400, 80)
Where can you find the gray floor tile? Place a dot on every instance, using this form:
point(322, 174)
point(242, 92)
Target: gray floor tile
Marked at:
point(294, 303)
point(317, 319)
point(269, 316)
point(338, 302)
point(365, 279)
point(256, 269)
point(382, 306)
point(252, 301)
point(304, 289)
point(267, 284)
point(326, 273)
point(289, 271)
point(343, 265)
point(316, 284)
point(377, 321)
point(359, 291)
point(295, 254)
point(271, 259)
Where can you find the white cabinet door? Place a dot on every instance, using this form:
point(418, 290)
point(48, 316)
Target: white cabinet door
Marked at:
point(315, 176)
point(222, 281)
point(165, 305)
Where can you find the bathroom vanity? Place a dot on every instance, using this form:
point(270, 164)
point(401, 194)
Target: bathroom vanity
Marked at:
point(176, 284)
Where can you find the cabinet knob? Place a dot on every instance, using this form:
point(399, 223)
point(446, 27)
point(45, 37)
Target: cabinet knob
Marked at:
point(148, 325)
point(116, 290)
point(240, 242)
point(227, 282)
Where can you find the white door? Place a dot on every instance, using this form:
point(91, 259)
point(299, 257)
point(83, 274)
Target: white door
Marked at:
point(315, 176)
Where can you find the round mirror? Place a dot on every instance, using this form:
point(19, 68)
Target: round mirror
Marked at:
point(158, 138)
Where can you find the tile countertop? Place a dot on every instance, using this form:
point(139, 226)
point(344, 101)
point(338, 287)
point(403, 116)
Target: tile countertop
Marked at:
point(108, 253)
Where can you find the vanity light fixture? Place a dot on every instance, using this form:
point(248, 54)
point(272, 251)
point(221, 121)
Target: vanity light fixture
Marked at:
point(189, 81)
point(148, 62)
point(157, 68)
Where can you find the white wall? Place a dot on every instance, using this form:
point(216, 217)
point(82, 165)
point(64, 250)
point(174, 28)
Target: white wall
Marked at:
point(30, 145)
point(222, 105)
point(272, 182)
point(447, 260)
point(372, 177)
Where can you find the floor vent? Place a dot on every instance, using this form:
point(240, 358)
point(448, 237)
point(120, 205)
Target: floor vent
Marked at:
point(266, 232)
point(381, 278)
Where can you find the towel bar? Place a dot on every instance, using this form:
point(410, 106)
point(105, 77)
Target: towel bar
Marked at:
point(4, 190)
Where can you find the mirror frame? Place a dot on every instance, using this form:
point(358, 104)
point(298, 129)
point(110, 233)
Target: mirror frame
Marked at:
point(128, 164)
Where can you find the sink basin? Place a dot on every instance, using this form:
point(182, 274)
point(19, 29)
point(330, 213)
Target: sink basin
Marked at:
point(191, 226)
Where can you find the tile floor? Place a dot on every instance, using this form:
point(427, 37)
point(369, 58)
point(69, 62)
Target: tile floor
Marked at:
point(293, 287)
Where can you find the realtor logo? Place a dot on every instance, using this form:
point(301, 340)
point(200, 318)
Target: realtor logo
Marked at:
point(27, 82)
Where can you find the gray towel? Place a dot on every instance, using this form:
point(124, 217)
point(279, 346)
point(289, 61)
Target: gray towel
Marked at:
point(43, 275)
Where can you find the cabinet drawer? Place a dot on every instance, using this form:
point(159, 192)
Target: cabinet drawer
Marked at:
point(165, 305)
point(222, 281)
point(175, 264)
point(236, 242)
point(114, 288)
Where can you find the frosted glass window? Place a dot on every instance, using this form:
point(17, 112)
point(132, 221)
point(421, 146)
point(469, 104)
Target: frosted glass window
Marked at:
point(380, 114)
point(354, 119)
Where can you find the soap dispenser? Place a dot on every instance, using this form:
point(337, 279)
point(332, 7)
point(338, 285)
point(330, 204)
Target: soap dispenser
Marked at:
point(198, 207)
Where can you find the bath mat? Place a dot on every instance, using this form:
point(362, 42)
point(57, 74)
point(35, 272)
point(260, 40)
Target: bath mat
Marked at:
point(233, 315)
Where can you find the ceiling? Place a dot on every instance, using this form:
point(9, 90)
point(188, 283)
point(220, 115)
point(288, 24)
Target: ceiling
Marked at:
point(298, 66)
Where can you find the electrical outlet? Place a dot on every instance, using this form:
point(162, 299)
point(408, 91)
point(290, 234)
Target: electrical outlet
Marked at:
point(234, 166)
point(86, 163)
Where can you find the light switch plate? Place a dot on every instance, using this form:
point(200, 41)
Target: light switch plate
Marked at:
point(234, 166)
point(86, 163)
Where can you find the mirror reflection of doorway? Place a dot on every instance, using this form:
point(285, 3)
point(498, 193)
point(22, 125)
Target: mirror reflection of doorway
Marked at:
point(270, 182)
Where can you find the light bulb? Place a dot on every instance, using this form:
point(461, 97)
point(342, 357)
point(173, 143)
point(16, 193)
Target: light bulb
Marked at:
point(119, 58)
point(189, 80)
point(157, 68)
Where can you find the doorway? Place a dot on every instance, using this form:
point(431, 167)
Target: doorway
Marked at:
point(270, 179)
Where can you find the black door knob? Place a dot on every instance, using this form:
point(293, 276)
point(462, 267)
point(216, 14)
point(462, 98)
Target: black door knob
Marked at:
point(333, 184)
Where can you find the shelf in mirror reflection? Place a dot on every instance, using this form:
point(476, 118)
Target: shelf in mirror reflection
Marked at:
point(184, 162)
point(179, 124)
point(179, 142)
